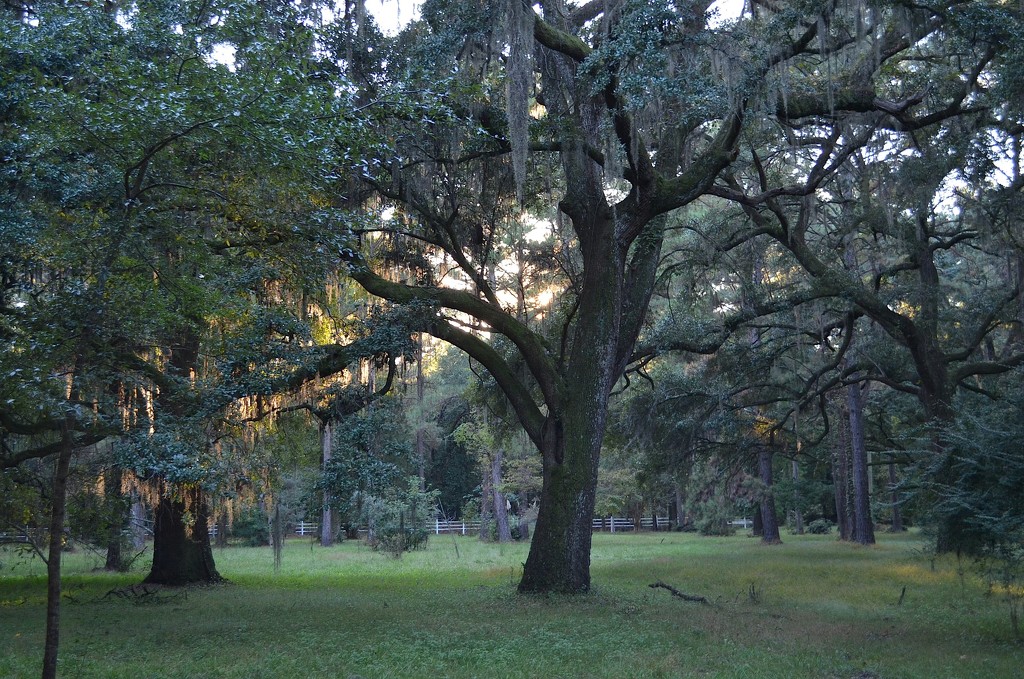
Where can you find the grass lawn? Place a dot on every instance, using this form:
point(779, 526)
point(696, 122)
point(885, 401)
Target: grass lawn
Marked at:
point(808, 608)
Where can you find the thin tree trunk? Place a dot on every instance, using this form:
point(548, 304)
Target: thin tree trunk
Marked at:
point(841, 474)
point(486, 499)
point(116, 510)
point(798, 514)
point(326, 515)
point(222, 526)
point(138, 522)
point(864, 530)
point(55, 552)
point(757, 525)
point(500, 507)
point(421, 443)
point(897, 511)
point(680, 508)
point(769, 521)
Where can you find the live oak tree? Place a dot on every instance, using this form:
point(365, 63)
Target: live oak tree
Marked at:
point(603, 118)
point(142, 253)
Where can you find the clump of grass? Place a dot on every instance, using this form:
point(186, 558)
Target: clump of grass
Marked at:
point(823, 609)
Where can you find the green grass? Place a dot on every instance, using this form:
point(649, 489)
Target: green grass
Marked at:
point(819, 609)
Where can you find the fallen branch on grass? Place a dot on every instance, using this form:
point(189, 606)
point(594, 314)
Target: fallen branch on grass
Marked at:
point(143, 594)
point(681, 595)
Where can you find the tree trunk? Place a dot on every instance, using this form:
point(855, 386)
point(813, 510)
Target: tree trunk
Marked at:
point(421, 443)
point(897, 512)
point(769, 520)
point(500, 506)
point(680, 506)
point(486, 500)
point(863, 530)
point(798, 514)
point(326, 515)
point(138, 522)
point(221, 540)
point(841, 475)
point(117, 509)
point(181, 551)
point(56, 550)
point(559, 559)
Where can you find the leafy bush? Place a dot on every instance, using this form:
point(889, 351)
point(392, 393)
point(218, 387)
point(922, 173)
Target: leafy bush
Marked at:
point(251, 527)
point(819, 527)
point(397, 520)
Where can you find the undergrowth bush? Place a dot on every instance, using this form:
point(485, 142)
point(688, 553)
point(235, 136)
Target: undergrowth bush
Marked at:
point(397, 520)
point(819, 527)
point(251, 527)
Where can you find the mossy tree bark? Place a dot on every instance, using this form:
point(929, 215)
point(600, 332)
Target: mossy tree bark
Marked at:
point(182, 554)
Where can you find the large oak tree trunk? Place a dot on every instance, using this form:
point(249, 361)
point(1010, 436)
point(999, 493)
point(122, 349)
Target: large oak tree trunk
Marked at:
point(559, 559)
point(182, 554)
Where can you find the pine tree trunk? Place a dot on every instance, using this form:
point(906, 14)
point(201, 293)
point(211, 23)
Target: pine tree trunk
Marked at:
point(326, 515)
point(680, 506)
point(181, 551)
point(841, 475)
point(222, 528)
point(769, 521)
point(421, 443)
point(864, 530)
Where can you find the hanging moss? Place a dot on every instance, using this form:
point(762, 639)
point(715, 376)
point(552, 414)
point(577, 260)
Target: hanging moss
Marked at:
point(520, 21)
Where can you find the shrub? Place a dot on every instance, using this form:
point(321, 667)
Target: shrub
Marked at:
point(397, 520)
point(819, 527)
point(252, 528)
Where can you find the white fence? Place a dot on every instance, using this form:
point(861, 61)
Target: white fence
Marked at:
point(458, 527)
point(611, 524)
point(305, 528)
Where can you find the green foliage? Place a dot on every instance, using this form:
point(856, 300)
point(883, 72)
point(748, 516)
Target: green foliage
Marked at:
point(710, 504)
point(371, 455)
point(252, 527)
point(819, 527)
point(975, 483)
point(398, 518)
